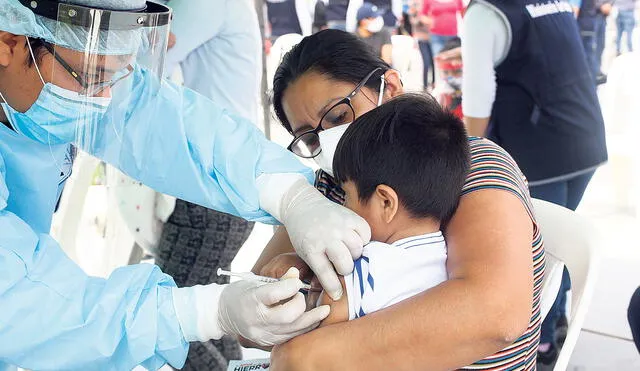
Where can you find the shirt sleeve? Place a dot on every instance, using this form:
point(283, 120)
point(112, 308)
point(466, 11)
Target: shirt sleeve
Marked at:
point(194, 22)
point(486, 41)
point(304, 10)
point(387, 274)
point(493, 168)
point(55, 317)
point(352, 14)
point(359, 284)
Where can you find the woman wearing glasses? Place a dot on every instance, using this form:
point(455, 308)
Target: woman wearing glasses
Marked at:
point(487, 313)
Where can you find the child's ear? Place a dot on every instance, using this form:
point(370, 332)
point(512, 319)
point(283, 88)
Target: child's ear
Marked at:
point(388, 199)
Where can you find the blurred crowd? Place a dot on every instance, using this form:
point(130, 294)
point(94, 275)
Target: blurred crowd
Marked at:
point(434, 25)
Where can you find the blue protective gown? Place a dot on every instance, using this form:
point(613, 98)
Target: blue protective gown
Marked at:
point(55, 317)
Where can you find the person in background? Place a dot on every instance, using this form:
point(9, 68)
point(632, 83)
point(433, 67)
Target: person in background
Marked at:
point(371, 30)
point(603, 9)
point(319, 17)
point(421, 34)
point(633, 315)
point(543, 111)
point(625, 23)
point(405, 26)
point(391, 13)
point(587, 25)
point(285, 17)
point(442, 18)
point(336, 11)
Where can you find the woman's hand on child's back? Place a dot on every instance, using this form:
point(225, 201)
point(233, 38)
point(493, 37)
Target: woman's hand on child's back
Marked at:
point(279, 265)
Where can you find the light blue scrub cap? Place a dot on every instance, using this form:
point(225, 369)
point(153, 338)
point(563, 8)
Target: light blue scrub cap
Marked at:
point(20, 20)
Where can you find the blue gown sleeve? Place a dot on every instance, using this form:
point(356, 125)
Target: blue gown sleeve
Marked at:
point(54, 317)
point(181, 143)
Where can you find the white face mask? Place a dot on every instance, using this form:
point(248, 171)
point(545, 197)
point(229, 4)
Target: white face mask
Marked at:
point(330, 138)
point(376, 25)
point(329, 142)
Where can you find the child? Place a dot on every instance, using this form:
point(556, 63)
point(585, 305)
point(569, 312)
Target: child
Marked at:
point(402, 166)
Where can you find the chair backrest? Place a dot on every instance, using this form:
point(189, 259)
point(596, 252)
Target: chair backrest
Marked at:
point(551, 284)
point(573, 240)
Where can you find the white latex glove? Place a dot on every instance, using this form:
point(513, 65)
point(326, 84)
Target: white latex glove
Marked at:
point(253, 310)
point(324, 234)
point(257, 311)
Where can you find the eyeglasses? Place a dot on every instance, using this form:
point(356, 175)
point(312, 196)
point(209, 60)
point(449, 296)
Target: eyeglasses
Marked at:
point(90, 89)
point(307, 144)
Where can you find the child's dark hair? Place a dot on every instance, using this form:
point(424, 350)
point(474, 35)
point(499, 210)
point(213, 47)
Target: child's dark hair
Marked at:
point(412, 145)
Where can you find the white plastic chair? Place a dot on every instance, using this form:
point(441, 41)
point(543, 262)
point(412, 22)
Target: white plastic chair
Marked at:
point(408, 61)
point(569, 238)
point(550, 284)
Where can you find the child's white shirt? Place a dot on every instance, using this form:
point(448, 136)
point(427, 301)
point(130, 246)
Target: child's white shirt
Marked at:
point(389, 273)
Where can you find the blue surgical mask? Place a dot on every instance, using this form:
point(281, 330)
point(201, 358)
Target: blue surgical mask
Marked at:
point(56, 115)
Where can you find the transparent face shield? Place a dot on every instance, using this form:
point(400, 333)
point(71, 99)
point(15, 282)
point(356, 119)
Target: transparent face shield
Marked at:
point(105, 64)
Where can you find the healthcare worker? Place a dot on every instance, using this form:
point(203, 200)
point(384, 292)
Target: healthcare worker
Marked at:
point(89, 73)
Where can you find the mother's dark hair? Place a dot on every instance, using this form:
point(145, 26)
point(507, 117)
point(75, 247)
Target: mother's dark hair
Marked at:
point(336, 54)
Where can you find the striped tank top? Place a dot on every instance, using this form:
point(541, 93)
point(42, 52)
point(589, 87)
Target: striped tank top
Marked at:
point(491, 168)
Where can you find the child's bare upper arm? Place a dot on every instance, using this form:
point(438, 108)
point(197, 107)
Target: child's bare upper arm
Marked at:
point(339, 309)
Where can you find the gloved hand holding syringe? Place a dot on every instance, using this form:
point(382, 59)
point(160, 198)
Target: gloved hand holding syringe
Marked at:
point(249, 276)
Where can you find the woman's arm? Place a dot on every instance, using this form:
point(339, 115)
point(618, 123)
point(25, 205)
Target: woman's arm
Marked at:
point(279, 244)
point(483, 307)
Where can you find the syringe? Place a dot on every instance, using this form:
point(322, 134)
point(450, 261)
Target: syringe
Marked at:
point(248, 276)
